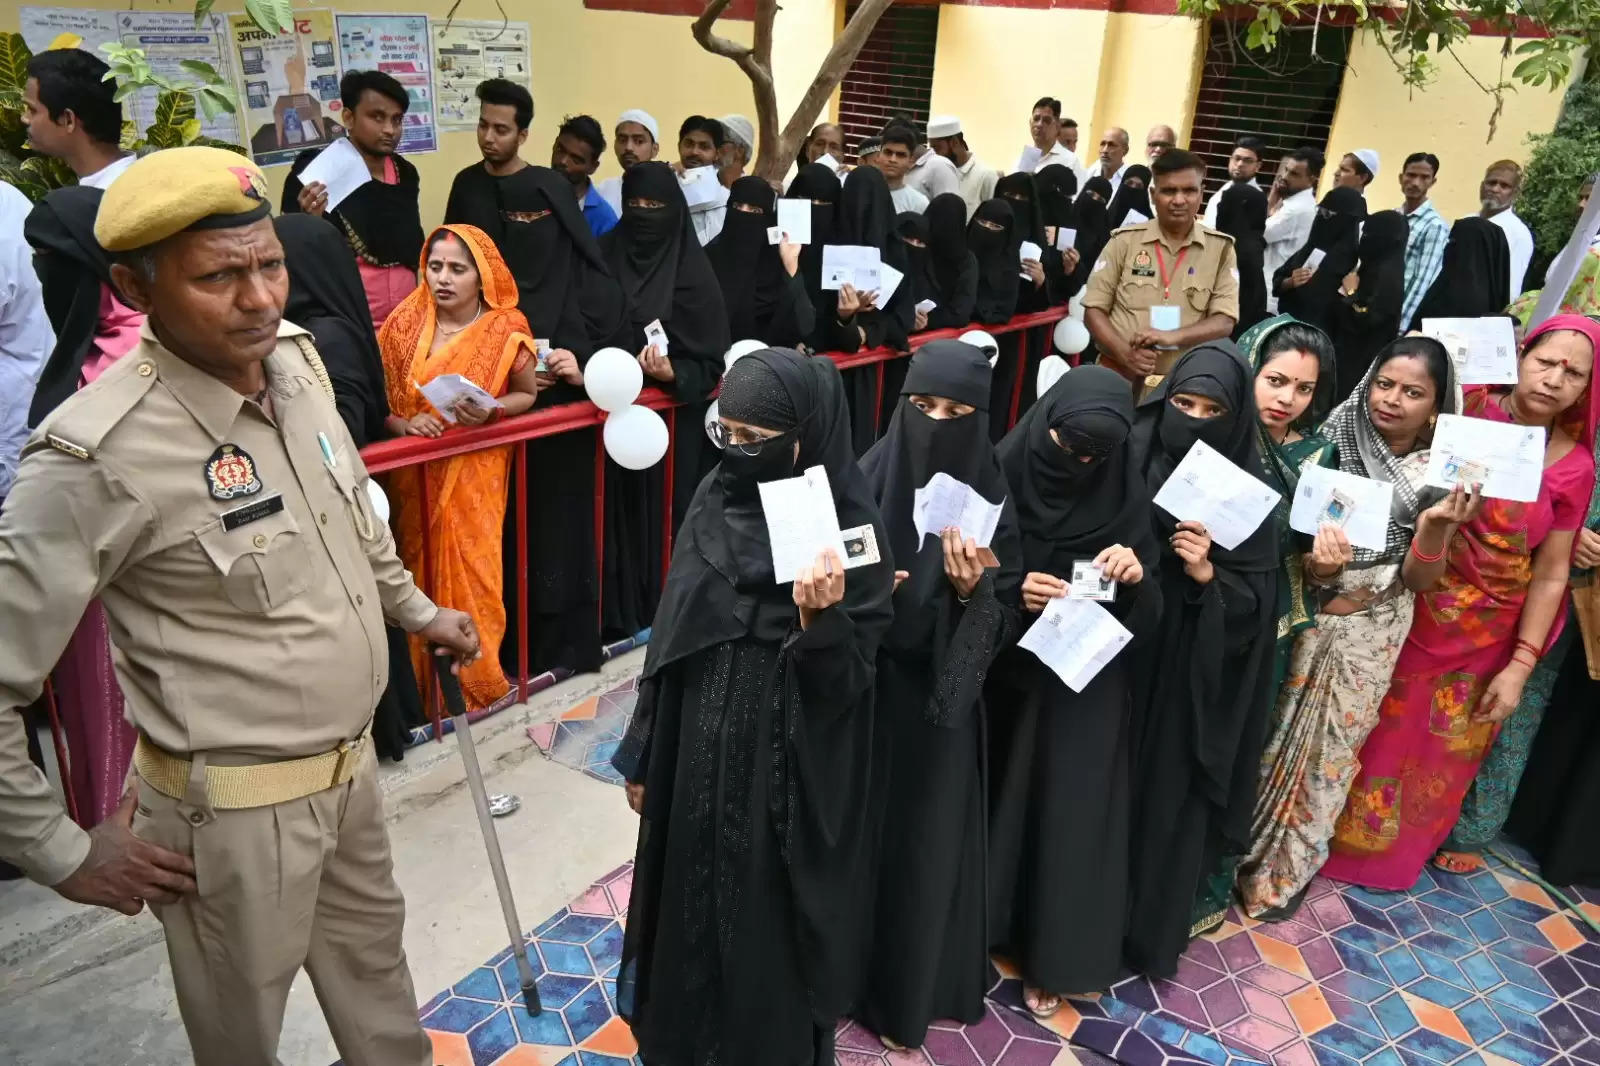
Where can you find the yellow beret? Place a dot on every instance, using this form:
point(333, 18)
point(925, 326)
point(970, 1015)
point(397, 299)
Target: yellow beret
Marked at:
point(176, 189)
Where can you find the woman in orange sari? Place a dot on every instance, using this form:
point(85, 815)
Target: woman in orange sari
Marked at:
point(463, 320)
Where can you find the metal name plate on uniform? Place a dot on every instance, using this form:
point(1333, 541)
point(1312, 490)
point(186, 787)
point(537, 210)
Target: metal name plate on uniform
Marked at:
point(253, 511)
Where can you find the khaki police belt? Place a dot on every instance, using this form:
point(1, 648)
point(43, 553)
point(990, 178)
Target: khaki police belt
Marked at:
point(260, 785)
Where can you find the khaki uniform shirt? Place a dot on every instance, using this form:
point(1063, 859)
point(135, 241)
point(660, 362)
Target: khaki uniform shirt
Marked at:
point(246, 608)
point(1127, 280)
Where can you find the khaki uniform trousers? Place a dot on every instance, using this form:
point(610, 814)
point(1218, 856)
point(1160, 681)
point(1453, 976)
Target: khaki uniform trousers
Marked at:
point(305, 883)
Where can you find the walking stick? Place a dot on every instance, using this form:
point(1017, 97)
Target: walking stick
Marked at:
point(450, 687)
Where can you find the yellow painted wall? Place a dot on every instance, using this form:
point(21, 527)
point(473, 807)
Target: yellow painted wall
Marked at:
point(982, 76)
point(1450, 119)
point(1150, 76)
point(599, 62)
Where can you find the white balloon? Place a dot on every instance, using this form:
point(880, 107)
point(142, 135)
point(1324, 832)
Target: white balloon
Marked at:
point(1051, 370)
point(635, 437)
point(612, 379)
point(739, 350)
point(1071, 336)
point(380, 502)
point(983, 342)
point(1075, 305)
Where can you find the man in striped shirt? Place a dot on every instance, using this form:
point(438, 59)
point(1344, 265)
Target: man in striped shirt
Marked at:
point(1429, 231)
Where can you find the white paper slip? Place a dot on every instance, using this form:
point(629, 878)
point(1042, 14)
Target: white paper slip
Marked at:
point(860, 547)
point(1028, 161)
point(1507, 459)
point(1314, 259)
point(1166, 317)
point(1484, 349)
point(827, 160)
point(656, 334)
point(340, 168)
point(1065, 239)
point(945, 503)
point(1075, 639)
point(1089, 582)
point(700, 186)
point(801, 522)
point(1028, 251)
point(926, 306)
point(1358, 505)
point(850, 264)
point(1135, 218)
point(447, 390)
point(794, 218)
point(889, 280)
point(1208, 489)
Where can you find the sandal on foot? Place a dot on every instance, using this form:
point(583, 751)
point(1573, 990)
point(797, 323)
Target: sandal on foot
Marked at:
point(1041, 1004)
point(1459, 863)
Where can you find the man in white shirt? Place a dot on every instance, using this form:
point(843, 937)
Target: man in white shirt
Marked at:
point(1502, 184)
point(1113, 158)
point(738, 148)
point(1291, 208)
point(977, 181)
point(1243, 166)
point(26, 338)
point(71, 114)
point(894, 159)
point(931, 174)
point(637, 139)
point(700, 139)
point(1045, 128)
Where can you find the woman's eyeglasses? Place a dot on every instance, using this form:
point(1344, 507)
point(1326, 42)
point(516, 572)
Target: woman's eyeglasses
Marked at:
point(745, 442)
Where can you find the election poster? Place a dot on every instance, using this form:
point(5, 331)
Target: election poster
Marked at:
point(290, 85)
point(398, 46)
point(468, 51)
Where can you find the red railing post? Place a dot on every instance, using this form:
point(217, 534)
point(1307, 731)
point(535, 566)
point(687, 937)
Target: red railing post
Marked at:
point(1022, 370)
point(523, 606)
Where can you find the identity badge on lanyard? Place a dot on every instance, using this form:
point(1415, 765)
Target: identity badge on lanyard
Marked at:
point(1167, 316)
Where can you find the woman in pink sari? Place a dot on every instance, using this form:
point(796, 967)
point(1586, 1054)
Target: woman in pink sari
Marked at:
point(1490, 575)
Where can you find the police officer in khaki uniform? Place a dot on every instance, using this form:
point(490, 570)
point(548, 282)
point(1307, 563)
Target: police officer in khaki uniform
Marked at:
point(206, 490)
point(1163, 286)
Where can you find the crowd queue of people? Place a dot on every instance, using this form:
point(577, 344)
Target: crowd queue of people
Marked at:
point(853, 785)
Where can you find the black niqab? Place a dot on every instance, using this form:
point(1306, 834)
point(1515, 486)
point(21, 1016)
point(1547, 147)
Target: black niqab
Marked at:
point(1242, 215)
point(1057, 186)
point(747, 266)
point(1094, 227)
point(1132, 195)
point(820, 185)
point(72, 267)
point(997, 255)
point(1369, 318)
point(1022, 193)
point(1474, 277)
point(947, 238)
point(1336, 231)
point(912, 226)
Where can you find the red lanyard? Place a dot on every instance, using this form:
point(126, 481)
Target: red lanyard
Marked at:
point(1166, 279)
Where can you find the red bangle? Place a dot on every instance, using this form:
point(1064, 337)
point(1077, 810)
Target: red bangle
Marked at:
point(1427, 558)
point(1528, 646)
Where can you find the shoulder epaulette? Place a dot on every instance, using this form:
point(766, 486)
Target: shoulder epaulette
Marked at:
point(83, 420)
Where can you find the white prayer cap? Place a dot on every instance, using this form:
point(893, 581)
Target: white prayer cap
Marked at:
point(1369, 159)
point(739, 130)
point(643, 118)
point(943, 126)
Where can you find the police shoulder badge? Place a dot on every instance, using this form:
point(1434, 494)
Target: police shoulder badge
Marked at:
point(231, 473)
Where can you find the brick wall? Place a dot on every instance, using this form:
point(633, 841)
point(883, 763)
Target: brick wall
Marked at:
point(892, 75)
point(1285, 97)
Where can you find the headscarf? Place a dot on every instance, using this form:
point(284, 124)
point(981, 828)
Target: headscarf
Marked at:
point(1067, 509)
point(1582, 420)
point(1132, 195)
point(1242, 215)
point(1163, 434)
point(1364, 452)
point(913, 449)
point(909, 226)
point(1474, 276)
point(1094, 228)
point(720, 586)
point(72, 267)
point(326, 297)
point(996, 252)
point(1369, 318)
point(1057, 186)
point(1282, 470)
point(1022, 193)
point(1336, 231)
point(819, 184)
point(747, 266)
point(663, 270)
point(947, 238)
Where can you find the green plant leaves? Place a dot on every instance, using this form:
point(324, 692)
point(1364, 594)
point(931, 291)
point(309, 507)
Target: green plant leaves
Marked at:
point(14, 56)
point(274, 16)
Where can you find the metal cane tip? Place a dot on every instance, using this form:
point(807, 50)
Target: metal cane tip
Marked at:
point(530, 1000)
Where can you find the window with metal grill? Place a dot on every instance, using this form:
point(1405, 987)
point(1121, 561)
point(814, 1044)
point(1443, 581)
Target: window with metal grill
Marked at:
point(893, 75)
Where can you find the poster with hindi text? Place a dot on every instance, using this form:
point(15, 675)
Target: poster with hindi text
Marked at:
point(398, 46)
point(289, 85)
point(469, 51)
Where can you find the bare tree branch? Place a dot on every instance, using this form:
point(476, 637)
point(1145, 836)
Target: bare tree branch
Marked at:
point(711, 42)
point(833, 69)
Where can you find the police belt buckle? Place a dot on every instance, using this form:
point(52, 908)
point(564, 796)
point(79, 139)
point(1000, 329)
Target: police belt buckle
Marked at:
point(258, 785)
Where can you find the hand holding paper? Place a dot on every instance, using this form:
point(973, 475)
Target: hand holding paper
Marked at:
point(448, 390)
point(794, 219)
point(1505, 458)
point(1207, 488)
point(340, 169)
point(1075, 638)
point(945, 503)
point(1358, 505)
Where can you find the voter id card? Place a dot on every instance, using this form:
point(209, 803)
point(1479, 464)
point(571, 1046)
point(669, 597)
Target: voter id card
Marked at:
point(541, 354)
point(656, 334)
point(860, 547)
point(1089, 582)
point(1166, 317)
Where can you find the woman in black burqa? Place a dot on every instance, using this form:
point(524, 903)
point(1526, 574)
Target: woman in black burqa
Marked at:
point(954, 270)
point(748, 753)
point(1367, 320)
point(951, 618)
point(1203, 683)
point(665, 276)
point(1133, 194)
point(761, 282)
point(1242, 215)
point(1062, 761)
point(1312, 295)
point(326, 299)
point(1474, 275)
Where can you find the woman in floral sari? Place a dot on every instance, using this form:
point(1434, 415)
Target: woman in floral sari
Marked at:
point(1340, 668)
point(1495, 576)
point(465, 321)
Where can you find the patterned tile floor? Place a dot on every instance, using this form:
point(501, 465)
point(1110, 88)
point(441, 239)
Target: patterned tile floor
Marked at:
point(1485, 970)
